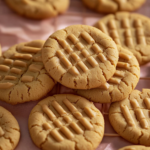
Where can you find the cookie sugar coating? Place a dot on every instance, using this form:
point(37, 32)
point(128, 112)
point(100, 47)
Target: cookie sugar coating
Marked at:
point(129, 30)
point(66, 122)
point(121, 84)
point(38, 9)
point(80, 57)
point(9, 130)
point(111, 6)
point(22, 74)
point(131, 117)
point(135, 147)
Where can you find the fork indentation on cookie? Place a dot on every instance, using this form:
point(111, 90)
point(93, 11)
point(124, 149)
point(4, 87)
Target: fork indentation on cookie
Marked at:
point(125, 56)
point(22, 56)
point(70, 106)
point(47, 126)
point(57, 123)
point(35, 67)
point(8, 61)
point(125, 23)
point(96, 48)
point(16, 71)
point(56, 135)
point(6, 85)
point(67, 119)
point(48, 112)
point(89, 112)
point(102, 27)
point(19, 63)
point(87, 37)
point(139, 113)
point(76, 128)
point(86, 123)
point(147, 102)
point(8, 77)
point(114, 80)
point(112, 24)
point(30, 49)
point(127, 115)
point(4, 68)
point(104, 86)
point(58, 108)
point(67, 132)
point(26, 78)
point(73, 38)
point(123, 65)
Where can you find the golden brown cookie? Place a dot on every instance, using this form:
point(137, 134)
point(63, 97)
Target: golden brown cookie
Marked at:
point(129, 30)
point(22, 74)
point(38, 9)
point(66, 122)
point(135, 147)
point(131, 117)
point(80, 57)
point(9, 130)
point(120, 85)
point(112, 6)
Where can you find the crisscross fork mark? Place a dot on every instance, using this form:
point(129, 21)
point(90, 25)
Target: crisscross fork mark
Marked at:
point(116, 77)
point(138, 112)
point(139, 32)
point(72, 68)
point(9, 66)
point(64, 129)
point(127, 26)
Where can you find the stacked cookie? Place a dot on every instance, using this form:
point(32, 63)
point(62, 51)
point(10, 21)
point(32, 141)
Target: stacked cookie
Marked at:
point(131, 31)
point(88, 61)
point(78, 57)
point(96, 67)
point(81, 58)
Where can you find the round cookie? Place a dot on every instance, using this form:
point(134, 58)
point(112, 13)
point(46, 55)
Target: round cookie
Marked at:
point(131, 117)
point(120, 85)
point(112, 6)
point(66, 122)
point(38, 9)
point(9, 130)
point(22, 74)
point(129, 30)
point(80, 57)
point(135, 147)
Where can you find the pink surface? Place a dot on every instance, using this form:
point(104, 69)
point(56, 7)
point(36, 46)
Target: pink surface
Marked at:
point(15, 29)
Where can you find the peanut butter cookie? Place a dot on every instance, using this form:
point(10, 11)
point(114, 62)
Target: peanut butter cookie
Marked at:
point(38, 9)
point(22, 74)
point(112, 6)
point(66, 122)
point(120, 85)
point(9, 130)
point(80, 57)
point(131, 117)
point(129, 30)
